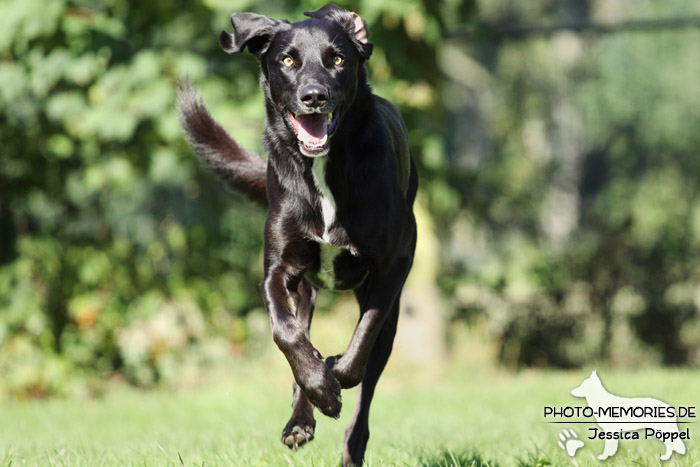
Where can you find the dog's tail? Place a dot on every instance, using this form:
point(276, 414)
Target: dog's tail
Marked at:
point(243, 169)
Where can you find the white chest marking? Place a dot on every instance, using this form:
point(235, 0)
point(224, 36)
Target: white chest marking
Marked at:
point(328, 206)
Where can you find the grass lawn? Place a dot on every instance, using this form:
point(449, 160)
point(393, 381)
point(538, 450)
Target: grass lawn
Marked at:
point(455, 415)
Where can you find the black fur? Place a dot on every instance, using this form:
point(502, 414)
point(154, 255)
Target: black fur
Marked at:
point(340, 180)
point(244, 170)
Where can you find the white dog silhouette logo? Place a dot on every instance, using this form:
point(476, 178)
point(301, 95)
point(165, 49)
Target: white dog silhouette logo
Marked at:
point(617, 416)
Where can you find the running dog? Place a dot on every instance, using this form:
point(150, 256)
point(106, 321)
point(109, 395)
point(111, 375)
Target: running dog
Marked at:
point(340, 185)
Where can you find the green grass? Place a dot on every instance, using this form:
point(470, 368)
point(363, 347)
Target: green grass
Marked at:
point(456, 415)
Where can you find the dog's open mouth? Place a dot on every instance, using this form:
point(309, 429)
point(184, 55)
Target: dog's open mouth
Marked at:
point(313, 132)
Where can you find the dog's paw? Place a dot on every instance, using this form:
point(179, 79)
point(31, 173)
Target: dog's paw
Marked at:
point(329, 401)
point(296, 435)
point(345, 376)
point(568, 442)
point(331, 361)
point(323, 391)
point(332, 365)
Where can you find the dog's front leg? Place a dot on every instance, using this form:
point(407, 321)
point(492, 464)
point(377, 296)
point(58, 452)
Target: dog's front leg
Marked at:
point(376, 300)
point(300, 428)
point(310, 372)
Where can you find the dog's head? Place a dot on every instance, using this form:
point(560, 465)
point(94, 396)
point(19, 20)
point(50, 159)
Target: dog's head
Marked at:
point(588, 387)
point(310, 68)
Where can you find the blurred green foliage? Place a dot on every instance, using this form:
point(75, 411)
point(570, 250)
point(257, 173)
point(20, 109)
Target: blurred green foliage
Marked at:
point(578, 224)
point(107, 220)
point(119, 250)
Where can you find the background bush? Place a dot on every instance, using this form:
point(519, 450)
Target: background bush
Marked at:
point(576, 233)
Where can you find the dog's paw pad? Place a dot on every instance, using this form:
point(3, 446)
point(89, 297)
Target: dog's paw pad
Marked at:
point(568, 442)
point(297, 436)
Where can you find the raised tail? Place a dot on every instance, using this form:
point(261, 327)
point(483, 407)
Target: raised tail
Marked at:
point(243, 169)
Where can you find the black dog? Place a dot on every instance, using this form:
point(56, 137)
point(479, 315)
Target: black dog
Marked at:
point(340, 184)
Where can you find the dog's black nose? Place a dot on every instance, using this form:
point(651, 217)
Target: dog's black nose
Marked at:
point(314, 96)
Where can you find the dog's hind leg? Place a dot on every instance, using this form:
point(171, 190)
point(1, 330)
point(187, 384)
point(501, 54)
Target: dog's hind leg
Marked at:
point(357, 432)
point(301, 425)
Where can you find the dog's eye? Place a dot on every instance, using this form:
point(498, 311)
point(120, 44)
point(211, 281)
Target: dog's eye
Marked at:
point(337, 60)
point(288, 61)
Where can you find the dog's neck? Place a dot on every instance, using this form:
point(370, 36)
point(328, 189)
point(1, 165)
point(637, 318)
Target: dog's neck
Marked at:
point(360, 107)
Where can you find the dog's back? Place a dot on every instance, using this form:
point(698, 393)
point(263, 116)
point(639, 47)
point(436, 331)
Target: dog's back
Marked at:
point(399, 140)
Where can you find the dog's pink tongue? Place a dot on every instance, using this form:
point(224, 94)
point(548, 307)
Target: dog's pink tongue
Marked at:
point(312, 128)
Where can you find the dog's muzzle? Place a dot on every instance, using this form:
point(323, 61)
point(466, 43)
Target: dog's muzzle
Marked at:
point(313, 131)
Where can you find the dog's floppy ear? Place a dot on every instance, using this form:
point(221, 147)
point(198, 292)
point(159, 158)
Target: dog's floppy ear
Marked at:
point(250, 30)
point(353, 24)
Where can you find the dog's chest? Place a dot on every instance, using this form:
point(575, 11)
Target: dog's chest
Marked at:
point(328, 206)
point(332, 238)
